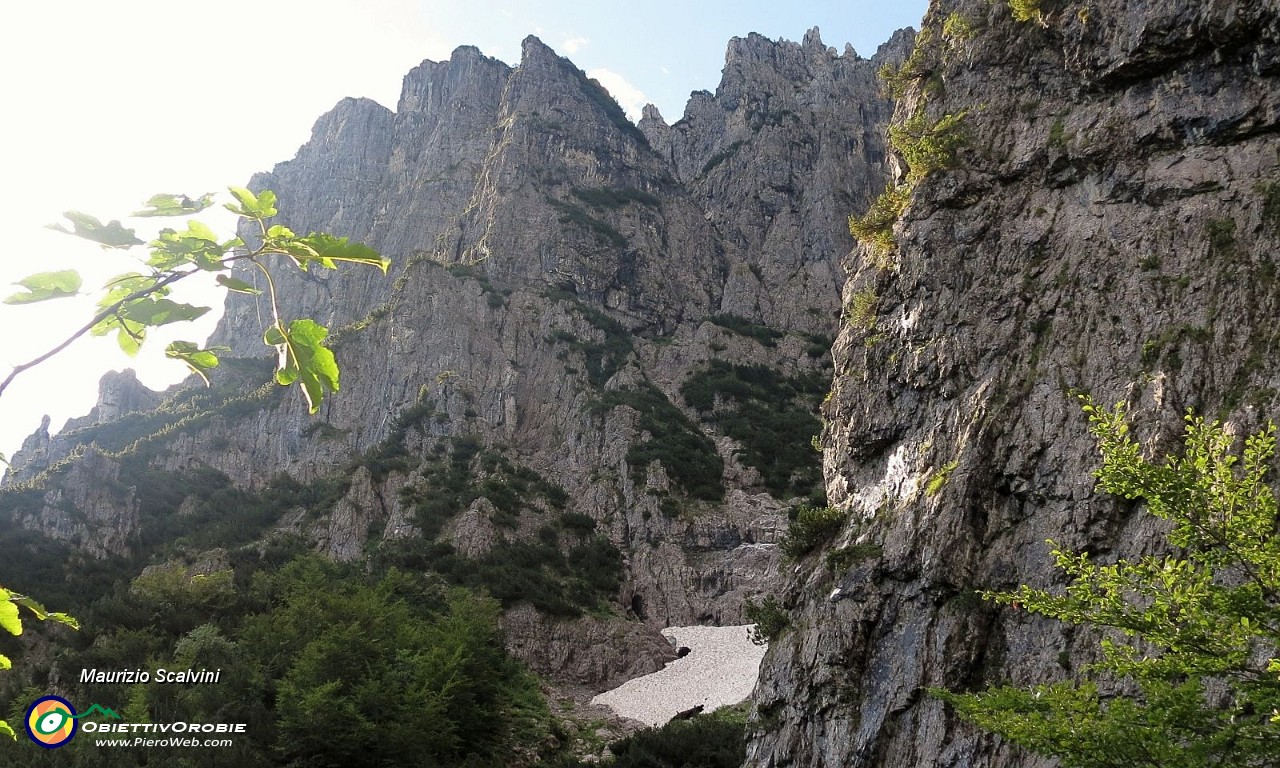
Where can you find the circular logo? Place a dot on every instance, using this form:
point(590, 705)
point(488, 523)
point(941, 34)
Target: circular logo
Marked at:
point(51, 721)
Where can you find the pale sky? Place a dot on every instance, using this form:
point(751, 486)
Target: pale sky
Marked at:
point(110, 101)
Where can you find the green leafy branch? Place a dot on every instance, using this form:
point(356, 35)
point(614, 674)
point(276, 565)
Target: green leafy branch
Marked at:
point(11, 621)
point(1194, 632)
point(132, 303)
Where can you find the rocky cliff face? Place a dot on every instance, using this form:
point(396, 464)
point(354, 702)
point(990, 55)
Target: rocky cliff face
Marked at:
point(600, 341)
point(1109, 224)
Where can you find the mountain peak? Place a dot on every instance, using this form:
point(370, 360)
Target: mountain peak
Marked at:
point(533, 49)
point(813, 40)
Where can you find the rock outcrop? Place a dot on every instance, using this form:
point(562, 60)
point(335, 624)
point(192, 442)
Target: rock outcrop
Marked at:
point(1109, 224)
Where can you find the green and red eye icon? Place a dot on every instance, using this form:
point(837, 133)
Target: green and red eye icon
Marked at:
point(51, 721)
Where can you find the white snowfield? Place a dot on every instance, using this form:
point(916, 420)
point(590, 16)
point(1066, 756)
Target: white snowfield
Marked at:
point(720, 670)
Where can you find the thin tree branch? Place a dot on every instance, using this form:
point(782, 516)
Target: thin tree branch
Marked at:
point(167, 280)
point(163, 282)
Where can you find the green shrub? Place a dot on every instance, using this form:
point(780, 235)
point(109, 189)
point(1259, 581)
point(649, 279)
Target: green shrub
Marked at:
point(1027, 10)
point(1058, 134)
point(577, 216)
point(938, 480)
point(577, 523)
point(221, 515)
point(1222, 237)
point(63, 576)
point(861, 312)
point(390, 455)
point(323, 430)
point(770, 415)
point(957, 28)
point(914, 68)
point(875, 227)
point(452, 483)
point(895, 79)
point(705, 741)
point(1186, 674)
point(716, 740)
point(669, 507)
point(560, 336)
point(928, 146)
point(538, 572)
point(1167, 344)
point(688, 456)
point(603, 357)
point(493, 297)
point(769, 617)
point(743, 327)
point(841, 559)
point(1270, 193)
point(810, 527)
point(819, 344)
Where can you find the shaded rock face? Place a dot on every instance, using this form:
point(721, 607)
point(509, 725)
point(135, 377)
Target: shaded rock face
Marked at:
point(583, 321)
point(795, 119)
point(1110, 225)
point(90, 509)
point(595, 653)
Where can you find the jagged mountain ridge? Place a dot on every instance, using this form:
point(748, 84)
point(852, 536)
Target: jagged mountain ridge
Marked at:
point(473, 140)
point(559, 279)
point(1110, 225)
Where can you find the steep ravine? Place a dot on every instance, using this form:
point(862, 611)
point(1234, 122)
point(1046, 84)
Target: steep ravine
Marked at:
point(1110, 224)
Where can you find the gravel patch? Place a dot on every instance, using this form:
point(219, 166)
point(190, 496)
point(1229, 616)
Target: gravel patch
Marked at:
point(720, 669)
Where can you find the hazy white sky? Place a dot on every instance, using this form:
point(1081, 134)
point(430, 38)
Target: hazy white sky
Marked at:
point(108, 102)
